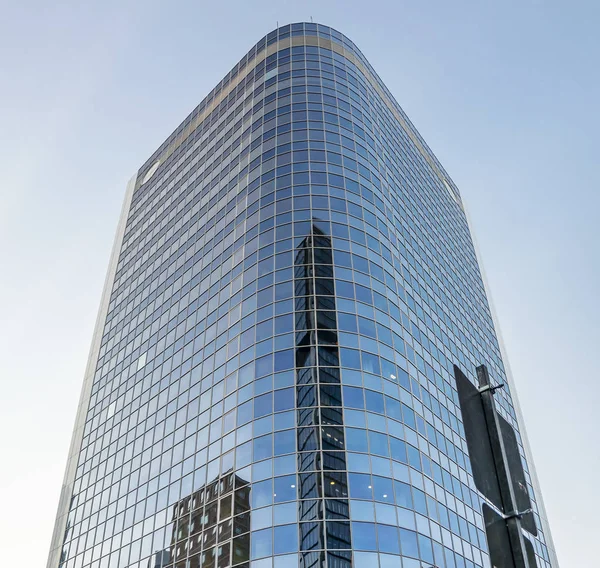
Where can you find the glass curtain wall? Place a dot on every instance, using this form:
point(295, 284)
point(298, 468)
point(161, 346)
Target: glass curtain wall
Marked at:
point(275, 384)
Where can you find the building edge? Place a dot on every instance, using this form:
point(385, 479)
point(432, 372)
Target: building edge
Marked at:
point(549, 542)
point(60, 523)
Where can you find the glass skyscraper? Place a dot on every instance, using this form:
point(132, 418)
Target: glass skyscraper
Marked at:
point(295, 362)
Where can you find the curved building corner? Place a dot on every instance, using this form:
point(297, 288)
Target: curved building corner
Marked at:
point(293, 305)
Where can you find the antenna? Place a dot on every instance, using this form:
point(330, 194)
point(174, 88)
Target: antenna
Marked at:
point(311, 20)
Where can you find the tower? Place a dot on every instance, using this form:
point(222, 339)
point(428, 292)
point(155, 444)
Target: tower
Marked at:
point(283, 370)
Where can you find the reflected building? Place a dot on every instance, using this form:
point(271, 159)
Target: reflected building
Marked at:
point(160, 559)
point(211, 527)
point(323, 486)
point(295, 359)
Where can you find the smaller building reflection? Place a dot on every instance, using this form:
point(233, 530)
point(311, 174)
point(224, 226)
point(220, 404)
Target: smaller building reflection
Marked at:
point(160, 559)
point(211, 527)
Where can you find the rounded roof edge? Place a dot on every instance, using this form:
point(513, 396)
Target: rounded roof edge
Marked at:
point(288, 32)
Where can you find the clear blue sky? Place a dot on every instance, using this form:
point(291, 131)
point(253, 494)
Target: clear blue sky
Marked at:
point(506, 94)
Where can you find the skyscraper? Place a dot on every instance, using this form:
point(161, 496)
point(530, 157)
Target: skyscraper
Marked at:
point(295, 361)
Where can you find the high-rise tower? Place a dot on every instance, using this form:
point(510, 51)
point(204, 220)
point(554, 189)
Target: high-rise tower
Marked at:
point(283, 371)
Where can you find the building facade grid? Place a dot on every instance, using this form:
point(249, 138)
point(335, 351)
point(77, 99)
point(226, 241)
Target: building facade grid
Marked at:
point(296, 280)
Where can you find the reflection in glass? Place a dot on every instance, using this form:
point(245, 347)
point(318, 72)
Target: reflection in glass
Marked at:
point(212, 525)
point(321, 457)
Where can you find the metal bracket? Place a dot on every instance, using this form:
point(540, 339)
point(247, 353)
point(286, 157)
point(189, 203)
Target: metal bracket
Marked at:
point(517, 515)
point(490, 388)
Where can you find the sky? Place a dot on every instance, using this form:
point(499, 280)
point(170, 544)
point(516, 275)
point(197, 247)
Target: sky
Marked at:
point(506, 95)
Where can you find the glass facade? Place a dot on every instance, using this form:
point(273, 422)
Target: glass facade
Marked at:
point(272, 378)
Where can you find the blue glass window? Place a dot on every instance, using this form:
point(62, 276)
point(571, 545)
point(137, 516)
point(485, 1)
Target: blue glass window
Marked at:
point(360, 486)
point(364, 536)
point(285, 539)
point(388, 539)
point(261, 543)
point(408, 541)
